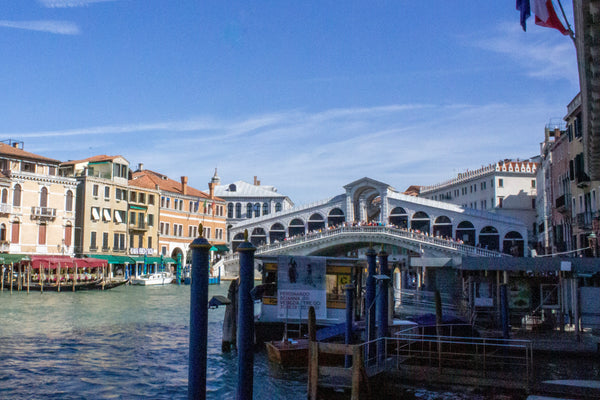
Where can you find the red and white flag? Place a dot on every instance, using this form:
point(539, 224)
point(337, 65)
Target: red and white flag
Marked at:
point(546, 16)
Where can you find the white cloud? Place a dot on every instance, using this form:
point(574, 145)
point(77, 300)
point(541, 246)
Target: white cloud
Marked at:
point(69, 3)
point(56, 27)
point(310, 156)
point(542, 52)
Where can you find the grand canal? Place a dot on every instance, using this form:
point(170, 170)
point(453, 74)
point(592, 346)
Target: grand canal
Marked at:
point(126, 343)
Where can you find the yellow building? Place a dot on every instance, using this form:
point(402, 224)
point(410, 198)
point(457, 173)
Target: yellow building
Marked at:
point(37, 212)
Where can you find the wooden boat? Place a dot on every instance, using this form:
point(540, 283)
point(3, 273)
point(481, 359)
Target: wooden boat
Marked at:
point(97, 284)
point(288, 353)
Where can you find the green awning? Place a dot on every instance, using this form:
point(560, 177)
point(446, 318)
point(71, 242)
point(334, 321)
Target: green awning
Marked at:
point(138, 208)
point(221, 247)
point(13, 258)
point(114, 259)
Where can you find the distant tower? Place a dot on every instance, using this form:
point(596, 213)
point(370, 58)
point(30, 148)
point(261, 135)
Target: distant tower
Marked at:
point(215, 179)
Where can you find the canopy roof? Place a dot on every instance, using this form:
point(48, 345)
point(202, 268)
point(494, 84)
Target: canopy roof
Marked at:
point(53, 262)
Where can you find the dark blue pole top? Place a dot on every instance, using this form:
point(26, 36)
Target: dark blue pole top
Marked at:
point(198, 318)
point(246, 321)
point(384, 268)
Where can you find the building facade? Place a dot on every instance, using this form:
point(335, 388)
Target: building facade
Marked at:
point(249, 200)
point(507, 188)
point(102, 204)
point(37, 204)
point(182, 209)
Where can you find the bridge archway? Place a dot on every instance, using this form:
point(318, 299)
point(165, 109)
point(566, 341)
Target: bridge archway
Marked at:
point(399, 218)
point(336, 217)
point(489, 238)
point(296, 227)
point(276, 233)
point(258, 237)
point(465, 231)
point(420, 222)
point(442, 226)
point(237, 240)
point(367, 202)
point(513, 244)
point(316, 222)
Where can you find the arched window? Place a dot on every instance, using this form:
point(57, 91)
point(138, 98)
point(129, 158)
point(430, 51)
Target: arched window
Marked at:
point(256, 210)
point(4, 196)
point(316, 222)
point(249, 210)
point(296, 227)
point(265, 208)
point(399, 217)
point(232, 188)
point(69, 201)
point(335, 217)
point(68, 234)
point(238, 210)
point(44, 197)
point(2, 232)
point(17, 196)
point(277, 207)
point(230, 210)
point(277, 233)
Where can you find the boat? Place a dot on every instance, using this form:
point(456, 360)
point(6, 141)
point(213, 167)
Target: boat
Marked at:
point(158, 278)
point(67, 286)
point(288, 353)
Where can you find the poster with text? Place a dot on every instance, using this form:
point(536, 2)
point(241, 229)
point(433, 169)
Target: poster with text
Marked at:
point(301, 284)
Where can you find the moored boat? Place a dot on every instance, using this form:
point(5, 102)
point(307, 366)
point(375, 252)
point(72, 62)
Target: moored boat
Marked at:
point(288, 353)
point(158, 278)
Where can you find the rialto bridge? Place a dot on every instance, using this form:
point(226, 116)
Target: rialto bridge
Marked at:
point(429, 227)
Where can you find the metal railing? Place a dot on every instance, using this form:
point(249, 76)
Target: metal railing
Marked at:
point(416, 237)
point(43, 212)
point(421, 301)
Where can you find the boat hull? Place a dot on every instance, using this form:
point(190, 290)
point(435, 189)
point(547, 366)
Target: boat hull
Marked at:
point(287, 353)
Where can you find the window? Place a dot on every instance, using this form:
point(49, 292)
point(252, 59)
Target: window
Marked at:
point(500, 182)
point(131, 239)
point(93, 240)
point(15, 232)
point(44, 197)
point(4, 196)
point(180, 205)
point(133, 197)
point(118, 194)
point(162, 228)
point(190, 230)
point(167, 229)
point(142, 198)
point(191, 206)
point(95, 213)
point(277, 207)
point(105, 241)
point(249, 210)
point(151, 199)
point(491, 183)
point(106, 192)
point(119, 241)
point(27, 167)
point(17, 196)
point(106, 215)
point(149, 242)
point(132, 218)
point(42, 234)
point(533, 203)
point(163, 250)
point(176, 203)
point(51, 170)
point(533, 183)
point(168, 202)
point(265, 208)
point(238, 210)
point(230, 210)
point(207, 233)
point(119, 216)
point(95, 189)
point(500, 200)
point(162, 202)
point(150, 219)
point(141, 241)
point(69, 201)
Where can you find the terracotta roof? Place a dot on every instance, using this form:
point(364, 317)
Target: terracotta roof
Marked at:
point(98, 158)
point(11, 151)
point(149, 179)
point(413, 190)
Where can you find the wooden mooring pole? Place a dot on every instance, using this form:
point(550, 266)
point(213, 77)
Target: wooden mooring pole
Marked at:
point(313, 355)
point(2, 279)
point(28, 277)
point(10, 278)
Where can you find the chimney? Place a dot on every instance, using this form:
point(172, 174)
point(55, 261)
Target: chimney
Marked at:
point(211, 189)
point(184, 181)
point(256, 181)
point(140, 166)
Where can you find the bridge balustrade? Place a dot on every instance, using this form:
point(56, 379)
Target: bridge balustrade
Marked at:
point(418, 237)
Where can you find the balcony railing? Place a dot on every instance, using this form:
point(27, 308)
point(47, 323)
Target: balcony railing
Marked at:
point(584, 220)
point(140, 226)
point(43, 212)
point(5, 208)
point(561, 203)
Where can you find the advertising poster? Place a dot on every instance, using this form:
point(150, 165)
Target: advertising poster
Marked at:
point(301, 284)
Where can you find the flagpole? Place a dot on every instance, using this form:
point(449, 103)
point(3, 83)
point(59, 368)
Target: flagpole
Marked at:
point(571, 34)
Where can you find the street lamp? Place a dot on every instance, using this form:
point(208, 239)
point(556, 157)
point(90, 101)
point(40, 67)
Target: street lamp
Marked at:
point(592, 240)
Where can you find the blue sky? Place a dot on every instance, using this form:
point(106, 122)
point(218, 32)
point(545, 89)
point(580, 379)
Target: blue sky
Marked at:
point(307, 95)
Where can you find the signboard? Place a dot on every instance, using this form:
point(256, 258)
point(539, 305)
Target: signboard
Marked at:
point(140, 251)
point(300, 285)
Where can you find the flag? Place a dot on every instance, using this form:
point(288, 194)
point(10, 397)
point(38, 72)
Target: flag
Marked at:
point(213, 208)
point(546, 16)
point(204, 206)
point(523, 7)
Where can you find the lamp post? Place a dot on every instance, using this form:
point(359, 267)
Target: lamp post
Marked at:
point(592, 240)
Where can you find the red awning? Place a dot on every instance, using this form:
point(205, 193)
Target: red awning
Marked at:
point(52, 262)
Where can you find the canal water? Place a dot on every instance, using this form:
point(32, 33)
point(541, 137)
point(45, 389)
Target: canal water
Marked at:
point(127, 343)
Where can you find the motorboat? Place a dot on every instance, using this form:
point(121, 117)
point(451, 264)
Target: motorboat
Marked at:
point(158, 278)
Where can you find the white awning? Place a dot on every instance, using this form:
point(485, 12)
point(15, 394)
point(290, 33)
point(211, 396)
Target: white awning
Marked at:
point(118, 217)
point(106, 214)
point(95, 214)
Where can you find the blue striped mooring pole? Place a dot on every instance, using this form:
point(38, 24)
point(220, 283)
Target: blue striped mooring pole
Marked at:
point(245, 340)
point(198, 319)
point(370, 299)
point(349, 319)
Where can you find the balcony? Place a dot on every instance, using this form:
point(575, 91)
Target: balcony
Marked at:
point(5, 208)
point(561, 204)
point(140, 226)
point(45, 213)
point(584, 220)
